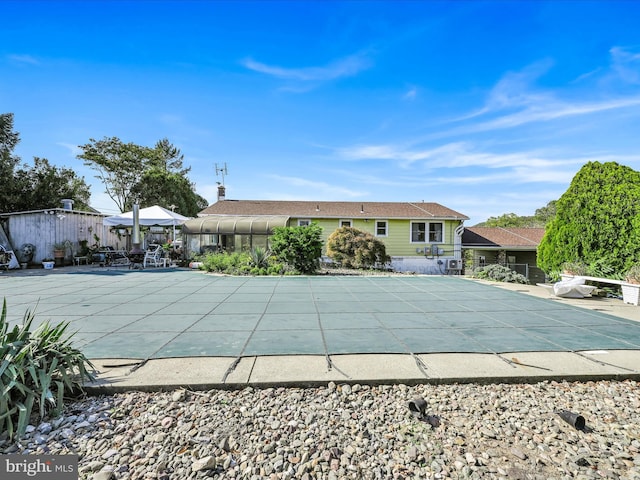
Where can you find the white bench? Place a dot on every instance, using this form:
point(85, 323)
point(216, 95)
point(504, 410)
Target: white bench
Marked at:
point(630, 291)
point(79, 260)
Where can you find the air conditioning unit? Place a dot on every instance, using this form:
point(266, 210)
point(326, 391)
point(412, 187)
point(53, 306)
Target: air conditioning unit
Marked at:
point(454, 264)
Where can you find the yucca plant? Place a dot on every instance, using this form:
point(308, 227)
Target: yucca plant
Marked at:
point(260, 257)
point(38, 368)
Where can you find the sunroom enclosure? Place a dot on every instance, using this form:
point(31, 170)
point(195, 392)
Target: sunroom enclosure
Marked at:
point(229, 233)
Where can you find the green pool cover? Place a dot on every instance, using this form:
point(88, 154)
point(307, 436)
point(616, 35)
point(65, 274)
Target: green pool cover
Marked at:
point(177, 313)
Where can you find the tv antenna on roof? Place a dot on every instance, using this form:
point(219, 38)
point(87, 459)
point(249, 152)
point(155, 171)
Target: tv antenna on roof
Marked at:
point(222, 171)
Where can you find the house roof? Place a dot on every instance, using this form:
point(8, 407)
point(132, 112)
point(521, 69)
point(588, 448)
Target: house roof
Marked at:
point(500, 237)
point(308, 209)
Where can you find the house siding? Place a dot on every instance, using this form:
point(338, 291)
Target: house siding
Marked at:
point(404, 254)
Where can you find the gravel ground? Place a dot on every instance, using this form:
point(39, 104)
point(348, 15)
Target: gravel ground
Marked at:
point(351, 431)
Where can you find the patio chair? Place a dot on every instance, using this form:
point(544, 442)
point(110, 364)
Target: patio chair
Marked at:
point(153, 256)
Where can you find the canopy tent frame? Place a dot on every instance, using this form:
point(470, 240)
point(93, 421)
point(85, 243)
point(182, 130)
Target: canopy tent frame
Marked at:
point(155, 216)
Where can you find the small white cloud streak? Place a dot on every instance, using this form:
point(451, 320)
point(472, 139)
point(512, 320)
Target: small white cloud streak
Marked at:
point(323, 188)
point(75, 150)
point(23, 59)
point(548, 112)
point(465, 155)
point(411, 94)
point(626, 64)
point(170, 119)
point(451, 155)
point(345, 67)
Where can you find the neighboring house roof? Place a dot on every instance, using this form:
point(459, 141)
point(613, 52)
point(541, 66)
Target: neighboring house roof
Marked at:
point(307, 209)
point(499, 237)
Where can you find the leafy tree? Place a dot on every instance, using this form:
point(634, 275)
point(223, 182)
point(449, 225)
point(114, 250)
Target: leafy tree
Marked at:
point(165, 182)
point(506, 220)
point(354, 248)
point(547, 213)
point(41, 185)
point(159, 187)
point(119, 165)
point(151, 176)
point(299, 247)
point(597, 220)
point(510, 220)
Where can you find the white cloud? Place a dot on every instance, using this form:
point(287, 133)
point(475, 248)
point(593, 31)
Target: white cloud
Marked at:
point(23, 59)
point(451, 155)
point(626, 64)
point(464, 164)
point(515, 89)
point(75, 150)
point(551, 110)
point(344, 67)
point(514, 101)
point(316, 189)
point(170, 119)
point(411, 94)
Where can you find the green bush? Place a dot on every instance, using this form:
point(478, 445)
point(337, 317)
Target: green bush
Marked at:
point(229, 263)
point(298, 247)
point(499, 273)
point(256, 262)
point(574, 268)
point(554, 276)
point(633, 274)
point(38, 369)
point(353, 248)
point(603, 269)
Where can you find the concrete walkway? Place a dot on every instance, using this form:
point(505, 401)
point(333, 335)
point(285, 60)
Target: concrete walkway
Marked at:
point(112, 309)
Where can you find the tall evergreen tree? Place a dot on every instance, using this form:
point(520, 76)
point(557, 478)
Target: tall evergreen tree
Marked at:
point(597, 220)
point(9, 193)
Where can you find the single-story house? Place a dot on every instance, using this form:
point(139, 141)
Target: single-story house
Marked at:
point(422, 237)
point(513, 247)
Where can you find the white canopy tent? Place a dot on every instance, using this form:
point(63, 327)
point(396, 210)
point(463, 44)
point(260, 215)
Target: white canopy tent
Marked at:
point(149, 217)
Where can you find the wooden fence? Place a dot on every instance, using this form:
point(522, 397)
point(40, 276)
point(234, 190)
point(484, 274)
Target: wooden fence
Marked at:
point(44, 228)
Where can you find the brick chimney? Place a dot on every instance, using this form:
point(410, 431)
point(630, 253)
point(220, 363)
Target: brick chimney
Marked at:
point(220, 193)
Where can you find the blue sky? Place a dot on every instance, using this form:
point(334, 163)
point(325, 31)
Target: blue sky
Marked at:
point(484, 107)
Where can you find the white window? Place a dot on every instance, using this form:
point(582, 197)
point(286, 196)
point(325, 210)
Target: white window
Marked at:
point(381, 228)
point(435, 232)
point(345, 223)
point(418, 230)
point(304, 222)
